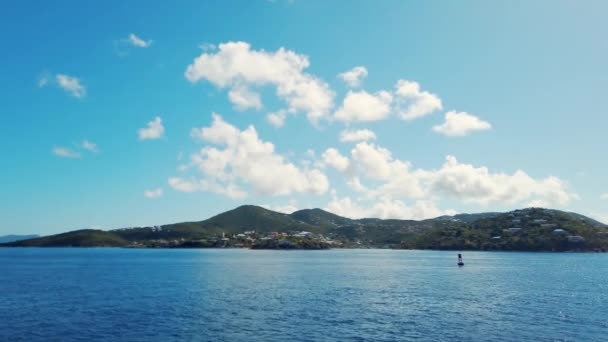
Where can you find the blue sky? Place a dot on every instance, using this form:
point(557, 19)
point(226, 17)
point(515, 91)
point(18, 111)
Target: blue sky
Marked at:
point(447, 107)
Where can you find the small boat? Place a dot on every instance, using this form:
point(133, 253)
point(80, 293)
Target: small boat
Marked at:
point(460, 262)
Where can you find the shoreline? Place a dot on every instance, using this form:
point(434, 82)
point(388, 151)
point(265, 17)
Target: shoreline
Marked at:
point(303, 249)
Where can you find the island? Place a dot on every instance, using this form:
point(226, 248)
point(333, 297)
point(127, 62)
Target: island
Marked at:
point(528, 229)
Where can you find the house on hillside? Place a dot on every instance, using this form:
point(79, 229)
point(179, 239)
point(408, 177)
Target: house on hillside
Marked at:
point(576, 239)
point(512, 230)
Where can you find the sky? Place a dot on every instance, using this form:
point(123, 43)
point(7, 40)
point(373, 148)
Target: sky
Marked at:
point(133, 113)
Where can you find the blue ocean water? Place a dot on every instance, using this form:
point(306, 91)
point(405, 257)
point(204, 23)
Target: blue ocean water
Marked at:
point(109, 294)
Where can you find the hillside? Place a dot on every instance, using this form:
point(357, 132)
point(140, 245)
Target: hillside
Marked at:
point(77, 238)
point(13, 238)
point(531, 229)
point(534, 229)
point(320, 217)
point(250, 217)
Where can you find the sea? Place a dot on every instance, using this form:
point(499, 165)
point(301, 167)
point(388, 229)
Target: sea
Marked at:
point(114, 294)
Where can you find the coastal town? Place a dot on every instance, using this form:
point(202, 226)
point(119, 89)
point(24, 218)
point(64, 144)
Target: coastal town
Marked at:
point(247, 239)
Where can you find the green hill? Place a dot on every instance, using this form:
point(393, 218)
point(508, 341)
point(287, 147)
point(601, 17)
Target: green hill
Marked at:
point(77, 238)
point(251, 217)
point(531, 229)
point(320, 217)
point(13, 238)
point(525, 229)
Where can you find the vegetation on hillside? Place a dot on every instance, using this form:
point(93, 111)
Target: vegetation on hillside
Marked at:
point(532, 229)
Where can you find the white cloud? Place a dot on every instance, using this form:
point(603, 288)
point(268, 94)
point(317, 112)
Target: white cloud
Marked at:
point(235, 64)
point(138, 42)
point(288, 208)
point(71, 85)
point(276, 119)
point(207, 47)
point(479, 185)
point(357, 135)
point(243, 98)
point(412, 103)
point(604, 196)
point(89, 146)
point(155, 193)
point(155, 130)
point(183, 185)
point(373, 161)
point(396, 179)
point(386, 209)
point(65, 152)
point(354, 77)
point(332, 157)
point(458, 124)
point(363, 106)
point(243, 159)
point(44, 79)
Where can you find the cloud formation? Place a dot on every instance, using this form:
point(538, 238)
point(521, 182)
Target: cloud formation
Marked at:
point(357, 135)
point(89, 146)
point(459, 124)
point(236, 66)
point(243, 163)
point(362, 106)
point(412, 103)
point(71, 85)
point(390, 178)
point(154, 130)
point(65, 152)
point(277, 119)
point(385, 208)
point(155, 193)
point(354, 77)
point(138, 42)
point(406, 101)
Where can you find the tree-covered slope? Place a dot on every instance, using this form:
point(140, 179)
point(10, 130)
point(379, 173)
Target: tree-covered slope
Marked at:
point(533, 229)
point(77, 238)
point(250, 217)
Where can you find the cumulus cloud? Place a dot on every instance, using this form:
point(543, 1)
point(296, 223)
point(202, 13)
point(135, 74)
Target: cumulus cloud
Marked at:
point(65, 152)
point(154, 130)
point(244, 160)
point(276, 119)
point(479, 185)
point(357, 135)
point(412, 103)
point(332, 157)
point(71, 85)
point(89, 146)
point(354, 77)
point(243, 98)
point(155, 193)
point(288, 208)
point(386, 209)
point(397, 179)
point(604, 196)
point(235, 65)
point(138, 42)
point(363, 106)
point(459, 124)
point(407, 102)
